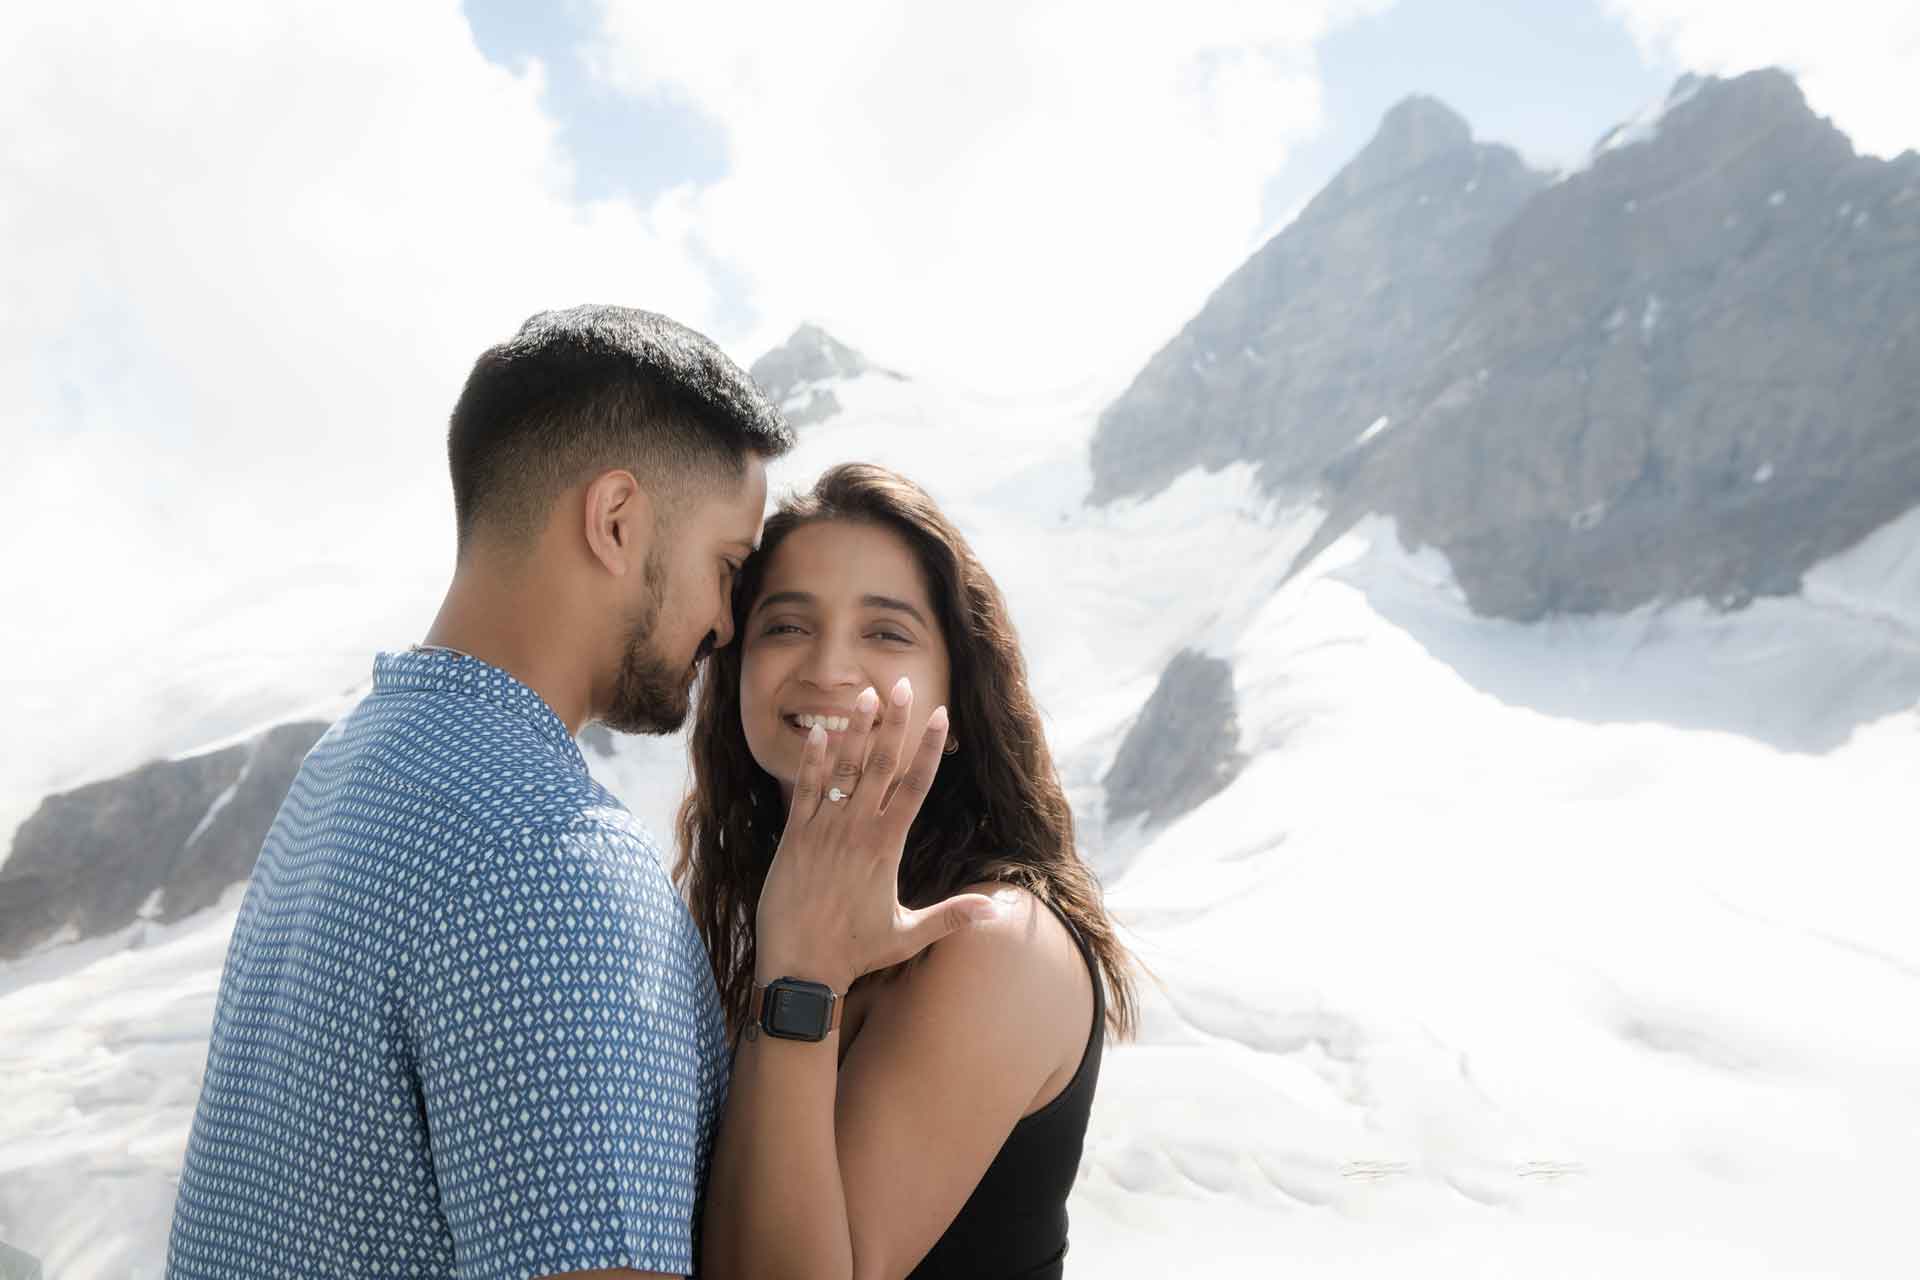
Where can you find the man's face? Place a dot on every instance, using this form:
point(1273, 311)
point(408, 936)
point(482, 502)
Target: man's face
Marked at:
point(683, 608)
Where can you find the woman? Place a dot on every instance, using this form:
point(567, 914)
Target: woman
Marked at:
point(870, 774)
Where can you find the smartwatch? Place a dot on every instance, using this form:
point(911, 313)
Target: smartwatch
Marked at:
point(795, 1009)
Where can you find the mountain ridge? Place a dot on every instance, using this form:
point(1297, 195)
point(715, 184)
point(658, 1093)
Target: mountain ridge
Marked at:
point(1690, 369)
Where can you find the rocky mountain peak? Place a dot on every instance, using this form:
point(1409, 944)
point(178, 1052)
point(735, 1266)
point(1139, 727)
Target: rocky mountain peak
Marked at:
point(790, 374)
point(810, 355)
point(1761, 114)
point(1414, 132)
point(1690, 369)
point(1305, 346)
point(1732, 110)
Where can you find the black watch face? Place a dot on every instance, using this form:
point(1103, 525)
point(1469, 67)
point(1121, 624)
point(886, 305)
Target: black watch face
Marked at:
point(797, 1010)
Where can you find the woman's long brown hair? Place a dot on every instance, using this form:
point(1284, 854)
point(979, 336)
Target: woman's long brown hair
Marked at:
point(996, 811)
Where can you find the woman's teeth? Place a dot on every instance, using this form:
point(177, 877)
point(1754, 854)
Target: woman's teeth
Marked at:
point(832, 724)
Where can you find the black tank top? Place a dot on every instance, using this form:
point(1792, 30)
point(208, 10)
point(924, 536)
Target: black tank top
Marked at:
point(1015, 1222)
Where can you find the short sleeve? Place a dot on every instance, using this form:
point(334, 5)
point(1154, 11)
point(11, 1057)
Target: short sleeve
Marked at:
point(564, 1033)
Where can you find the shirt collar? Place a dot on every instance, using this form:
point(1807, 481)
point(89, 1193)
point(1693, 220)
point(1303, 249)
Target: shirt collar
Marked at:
point(445, 671)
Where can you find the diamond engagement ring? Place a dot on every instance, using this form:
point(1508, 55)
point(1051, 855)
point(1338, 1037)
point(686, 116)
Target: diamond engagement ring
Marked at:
point(836, 795)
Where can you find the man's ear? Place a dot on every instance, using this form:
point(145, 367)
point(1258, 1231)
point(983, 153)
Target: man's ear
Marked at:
point(618, 521)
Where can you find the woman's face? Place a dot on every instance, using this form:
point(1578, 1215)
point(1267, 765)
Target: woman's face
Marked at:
point(842, 607)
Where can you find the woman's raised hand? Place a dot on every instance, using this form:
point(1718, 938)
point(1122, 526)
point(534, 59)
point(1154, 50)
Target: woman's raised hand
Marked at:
point(830, 910)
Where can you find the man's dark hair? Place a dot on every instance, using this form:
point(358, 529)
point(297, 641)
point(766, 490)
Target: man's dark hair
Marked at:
point(592, 388)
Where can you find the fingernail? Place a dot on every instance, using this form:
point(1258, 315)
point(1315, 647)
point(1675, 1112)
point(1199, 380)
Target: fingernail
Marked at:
point(938, 720)
point(867, 701)
point(816, 737)
point(902, 690)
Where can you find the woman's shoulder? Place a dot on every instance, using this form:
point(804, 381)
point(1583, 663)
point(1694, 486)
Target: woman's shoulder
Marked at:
point(1023, 946)
point(1009, 997)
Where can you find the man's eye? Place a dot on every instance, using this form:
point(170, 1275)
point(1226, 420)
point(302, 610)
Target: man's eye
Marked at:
point(892, 635)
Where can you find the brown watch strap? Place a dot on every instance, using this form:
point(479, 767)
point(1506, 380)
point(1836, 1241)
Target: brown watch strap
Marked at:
point(759, 1001)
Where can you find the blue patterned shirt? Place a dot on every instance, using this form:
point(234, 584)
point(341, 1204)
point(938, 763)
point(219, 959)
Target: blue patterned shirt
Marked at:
point(466, 1026)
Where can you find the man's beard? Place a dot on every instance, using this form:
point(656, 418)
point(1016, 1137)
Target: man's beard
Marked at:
point(651, 694)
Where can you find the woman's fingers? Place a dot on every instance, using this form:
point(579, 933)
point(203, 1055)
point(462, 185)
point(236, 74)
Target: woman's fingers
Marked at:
point(809, 786)
point(921, 929)
point(848, 762)
point(905, 801)
point(889, 747)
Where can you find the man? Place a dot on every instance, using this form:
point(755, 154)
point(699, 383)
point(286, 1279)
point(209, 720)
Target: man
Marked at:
point(466, 1027)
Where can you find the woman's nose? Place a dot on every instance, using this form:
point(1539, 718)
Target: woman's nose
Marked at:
point(831, 666)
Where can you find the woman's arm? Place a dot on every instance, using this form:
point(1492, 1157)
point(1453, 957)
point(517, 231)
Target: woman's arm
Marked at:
point(775, 1203)
point(945, 1068)
point(861, 1182)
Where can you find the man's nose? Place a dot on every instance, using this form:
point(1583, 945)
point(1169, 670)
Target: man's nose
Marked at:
point(723, 626)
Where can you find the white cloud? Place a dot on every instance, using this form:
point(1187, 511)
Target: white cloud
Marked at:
point(248, 253)
point(1858, 61)
point(1024, 193)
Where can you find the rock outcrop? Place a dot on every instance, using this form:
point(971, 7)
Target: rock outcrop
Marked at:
point(160, 842)
point(1183, 749)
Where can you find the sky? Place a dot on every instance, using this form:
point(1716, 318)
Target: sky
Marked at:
point(248, 252)
point(1545, 78)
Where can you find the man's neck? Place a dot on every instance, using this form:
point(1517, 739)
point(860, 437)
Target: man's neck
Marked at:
point(505, 629)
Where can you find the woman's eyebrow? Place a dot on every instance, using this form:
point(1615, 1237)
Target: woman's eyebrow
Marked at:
point(888, 602)
point(806, 599)
point(784, 597)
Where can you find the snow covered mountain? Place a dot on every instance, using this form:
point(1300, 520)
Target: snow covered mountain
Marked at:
point(1690, 369)
point(159, 843)
point(800, 373)
point(1576, 947)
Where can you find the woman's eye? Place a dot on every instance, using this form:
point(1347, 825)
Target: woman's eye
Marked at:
point(892, 635)
point(779, 627)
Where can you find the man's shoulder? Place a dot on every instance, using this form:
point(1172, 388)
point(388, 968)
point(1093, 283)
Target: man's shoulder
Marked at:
point(608, 848)
point(612, 825)
point(480, 759)
point(591, 891)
